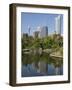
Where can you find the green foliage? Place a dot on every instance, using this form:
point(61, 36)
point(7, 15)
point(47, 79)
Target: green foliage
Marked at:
point(48, 42)
point(27, 41)
point(44, 43)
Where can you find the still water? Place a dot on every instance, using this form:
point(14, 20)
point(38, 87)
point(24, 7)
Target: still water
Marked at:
point(41, 65)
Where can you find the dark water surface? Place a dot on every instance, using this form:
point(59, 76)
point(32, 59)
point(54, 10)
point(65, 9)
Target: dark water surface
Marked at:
point(41, 65)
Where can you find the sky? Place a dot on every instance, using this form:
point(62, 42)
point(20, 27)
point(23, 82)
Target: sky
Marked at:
point(34, 20)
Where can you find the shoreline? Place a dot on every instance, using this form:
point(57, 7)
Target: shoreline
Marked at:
point(56, 56)
point(49, 51)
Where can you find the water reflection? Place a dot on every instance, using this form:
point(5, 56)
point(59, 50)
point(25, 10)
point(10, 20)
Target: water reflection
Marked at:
point(41, 65)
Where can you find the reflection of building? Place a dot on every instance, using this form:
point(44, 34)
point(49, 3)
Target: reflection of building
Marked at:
point(42, 67)
point(36, 34)
point(58, 25)
point(35, 66)
point(57, 70)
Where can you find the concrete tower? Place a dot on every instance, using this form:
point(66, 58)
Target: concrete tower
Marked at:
point(58, 25)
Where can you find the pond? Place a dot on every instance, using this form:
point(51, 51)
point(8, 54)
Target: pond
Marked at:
point(40, 65)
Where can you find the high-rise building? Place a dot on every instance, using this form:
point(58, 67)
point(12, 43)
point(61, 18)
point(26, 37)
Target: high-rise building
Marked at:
point(24, 35)
point(58, 25)
point(29, 29)
point(36, 34)
point(43, 31)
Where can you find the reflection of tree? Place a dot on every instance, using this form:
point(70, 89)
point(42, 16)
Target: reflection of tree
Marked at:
point(57, 62)
point(29, 58)
point(40, 62)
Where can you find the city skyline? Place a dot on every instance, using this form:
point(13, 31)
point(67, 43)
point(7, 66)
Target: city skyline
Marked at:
point(41, 32)
point(31, 21)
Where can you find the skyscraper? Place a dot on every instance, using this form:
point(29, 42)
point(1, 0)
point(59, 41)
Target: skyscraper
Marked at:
point(58, 25)
point(36, 34)
point(29, 29)
point(43, 31)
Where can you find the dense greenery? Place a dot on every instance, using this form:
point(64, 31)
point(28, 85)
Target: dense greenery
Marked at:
point(54, 42)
